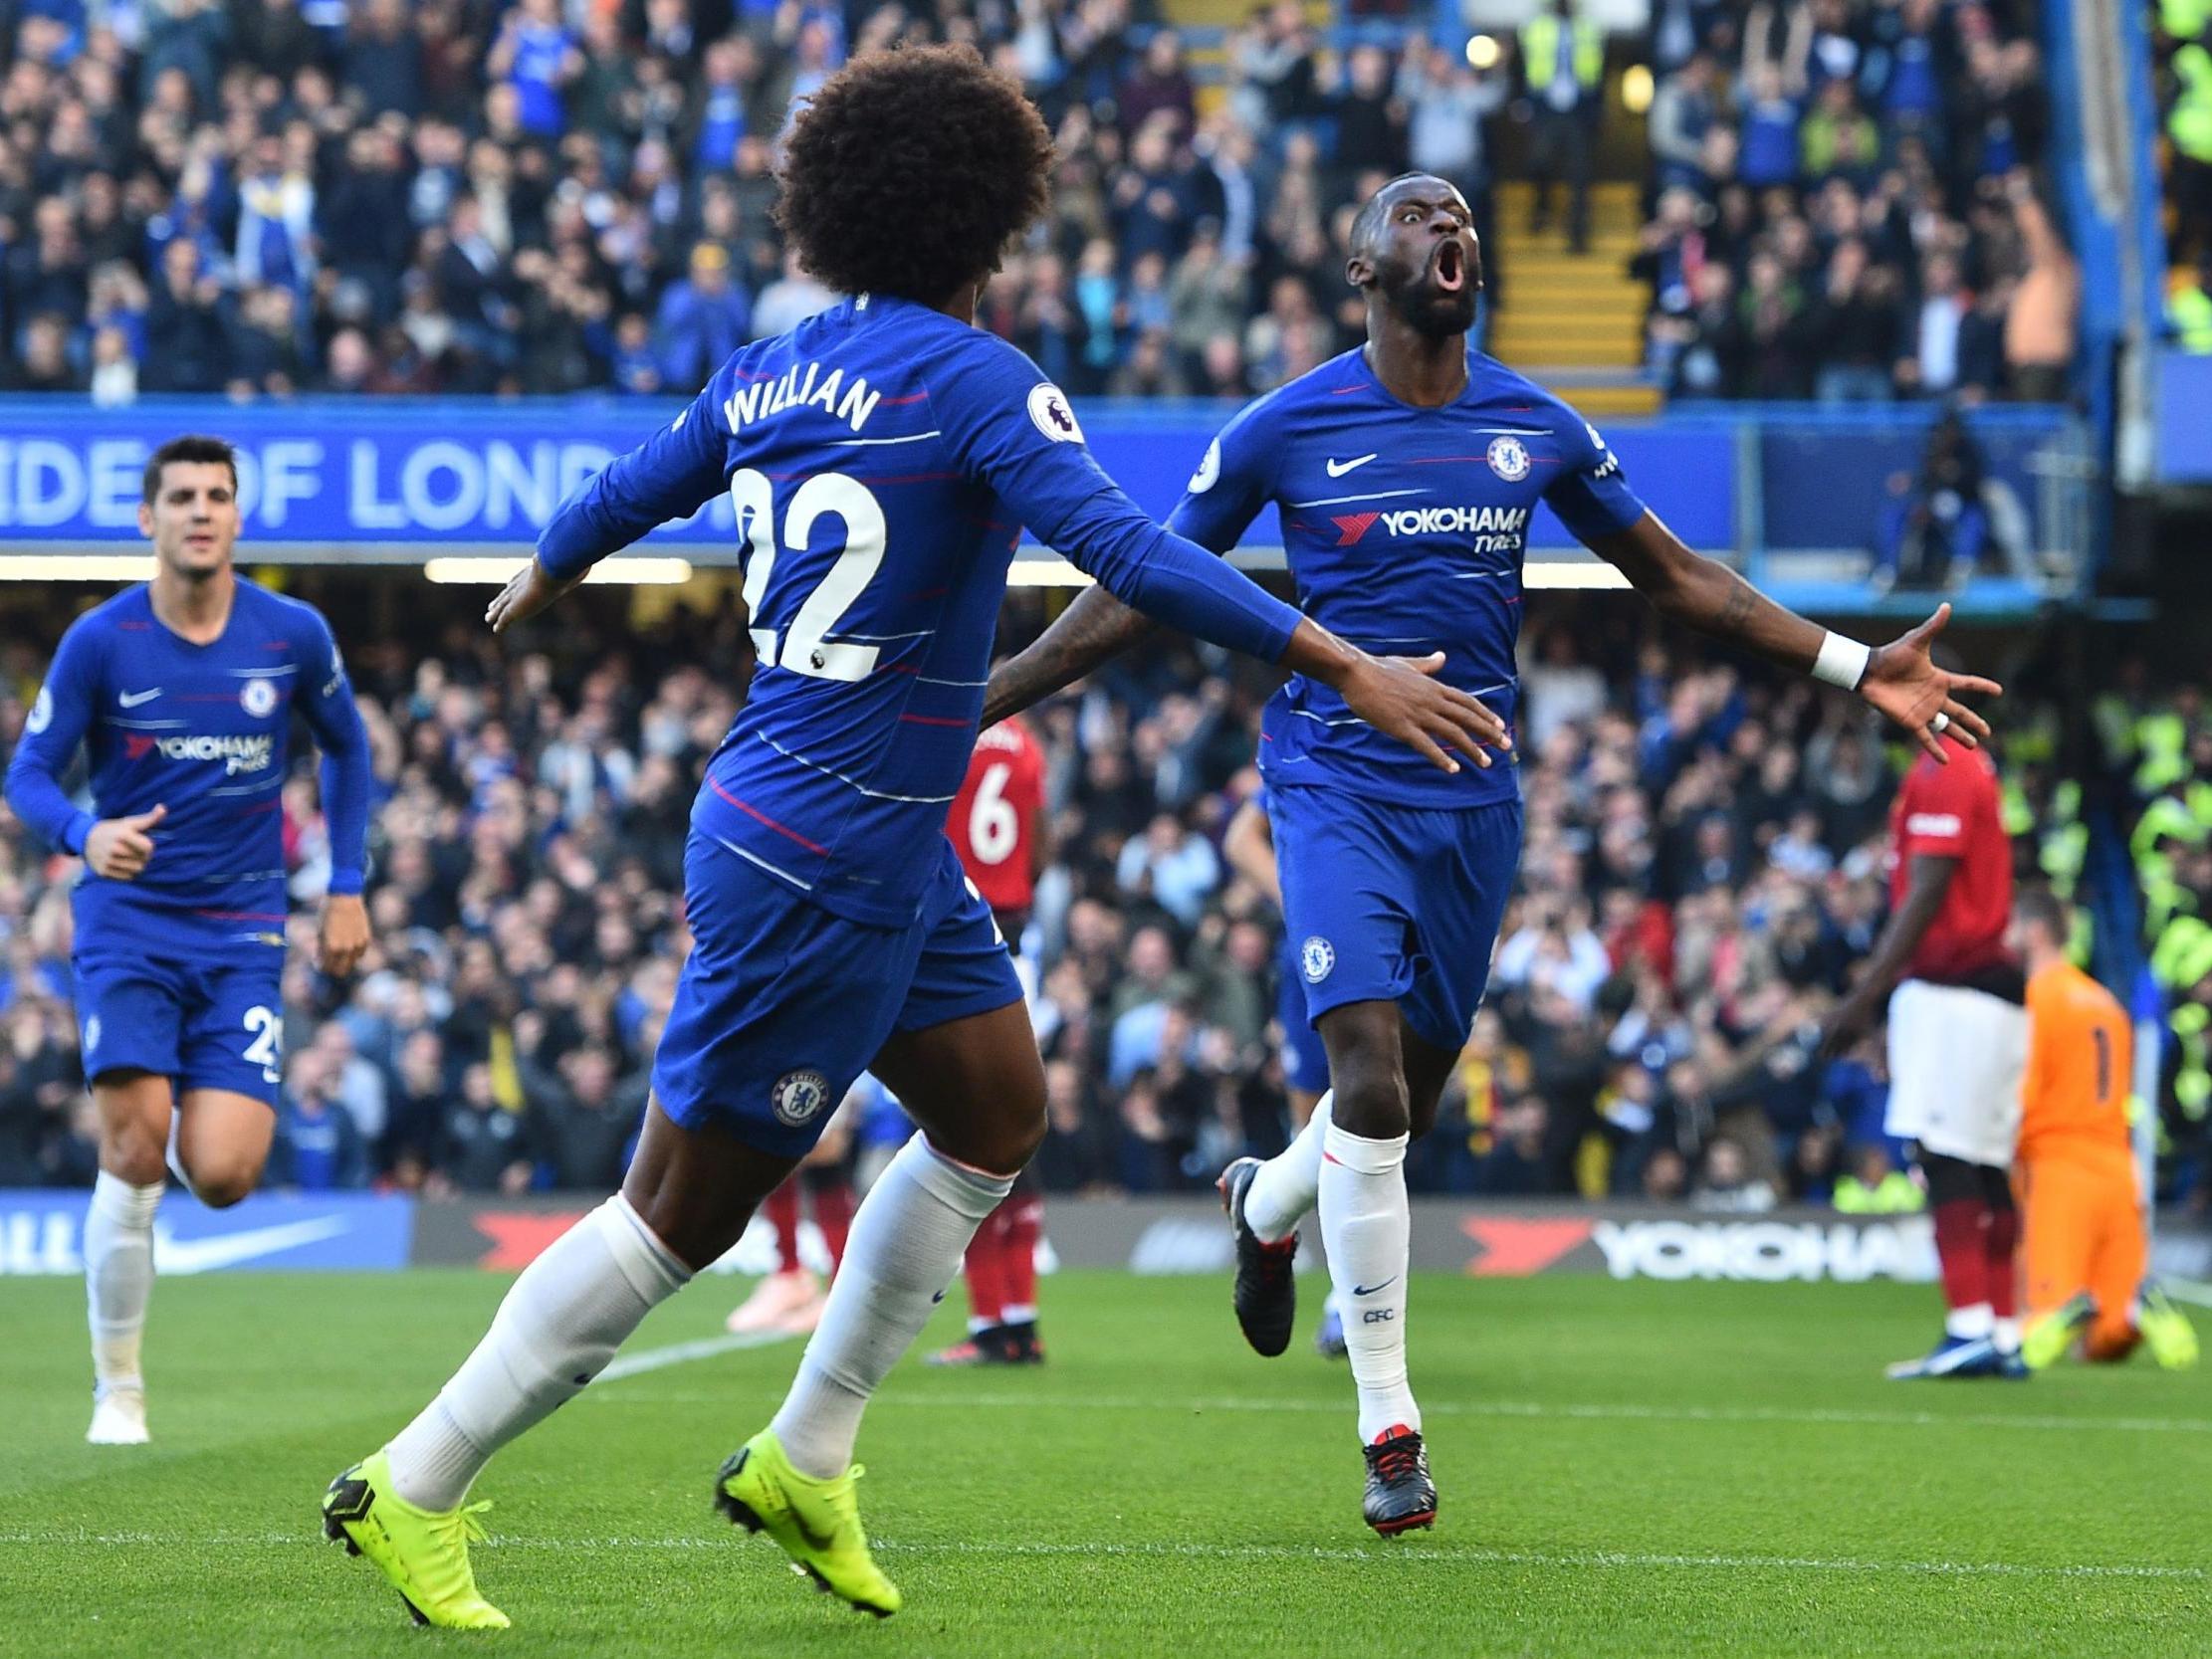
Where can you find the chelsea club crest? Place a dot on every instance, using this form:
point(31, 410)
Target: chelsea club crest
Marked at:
point(1508, 459)
point(799, 1096)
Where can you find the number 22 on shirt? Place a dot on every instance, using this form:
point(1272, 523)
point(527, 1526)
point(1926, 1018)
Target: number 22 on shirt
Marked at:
point(805, 648)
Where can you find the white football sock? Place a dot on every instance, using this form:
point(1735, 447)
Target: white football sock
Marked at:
point(907, 1242)
point(559, 1324)
point(1286, 1185)
point(2006, 1332)
point(1970, 1323)
point(119, 1275)
point(1367, 1224)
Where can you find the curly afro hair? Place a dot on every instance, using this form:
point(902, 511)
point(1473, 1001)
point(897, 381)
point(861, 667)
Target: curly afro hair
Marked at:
point(909, 171)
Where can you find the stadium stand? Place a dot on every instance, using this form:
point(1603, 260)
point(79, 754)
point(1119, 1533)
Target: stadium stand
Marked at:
point(264, 197)
point(270, 197)
point(1703, 862)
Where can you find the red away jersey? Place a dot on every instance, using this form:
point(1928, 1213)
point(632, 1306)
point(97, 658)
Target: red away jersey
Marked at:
point(994, 817)
point(1953, 812)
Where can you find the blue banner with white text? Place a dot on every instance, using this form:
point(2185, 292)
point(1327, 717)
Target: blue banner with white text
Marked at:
point(405, 474)
point(398, 480)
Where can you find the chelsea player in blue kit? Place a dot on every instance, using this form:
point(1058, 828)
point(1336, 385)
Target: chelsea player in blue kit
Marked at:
point(1406, 474)
point(182, 691)
point(881, 460)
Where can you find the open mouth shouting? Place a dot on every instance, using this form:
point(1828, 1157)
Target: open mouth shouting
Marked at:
point(1447, 267)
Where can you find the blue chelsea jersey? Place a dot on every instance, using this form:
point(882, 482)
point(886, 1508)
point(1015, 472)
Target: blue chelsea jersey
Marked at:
point(203, 730)
point(882, 459)
point(1405, 530)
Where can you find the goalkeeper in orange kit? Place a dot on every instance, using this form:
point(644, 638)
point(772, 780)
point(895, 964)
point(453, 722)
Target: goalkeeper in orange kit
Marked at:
point(2087, 1250)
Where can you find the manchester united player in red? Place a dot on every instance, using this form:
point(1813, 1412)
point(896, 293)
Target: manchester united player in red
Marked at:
point(1958, 1043)
point(998, 828)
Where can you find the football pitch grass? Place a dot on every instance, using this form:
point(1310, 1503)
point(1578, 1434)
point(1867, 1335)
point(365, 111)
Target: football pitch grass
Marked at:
point(1627, 1469)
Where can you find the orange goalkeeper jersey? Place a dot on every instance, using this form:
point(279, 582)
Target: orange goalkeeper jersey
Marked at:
point(2080, 1058)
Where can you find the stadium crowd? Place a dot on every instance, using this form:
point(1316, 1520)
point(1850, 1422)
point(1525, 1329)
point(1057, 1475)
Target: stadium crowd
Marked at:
point(1845, 205)
point(267, 197)
point(1703, 862)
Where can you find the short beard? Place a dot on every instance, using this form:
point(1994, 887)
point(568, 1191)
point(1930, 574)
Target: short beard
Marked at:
point(1434, 315)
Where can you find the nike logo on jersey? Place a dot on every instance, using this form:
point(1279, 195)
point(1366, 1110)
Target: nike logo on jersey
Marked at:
point(1337, 469)
point(132, 700)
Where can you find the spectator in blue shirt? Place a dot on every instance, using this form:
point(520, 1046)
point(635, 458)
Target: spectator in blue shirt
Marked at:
point(1769, 153)
point(1179, 864)
point(319, 1145)
point(637, 371)
point(720, 119)
point(535, 54)
point(702, 321)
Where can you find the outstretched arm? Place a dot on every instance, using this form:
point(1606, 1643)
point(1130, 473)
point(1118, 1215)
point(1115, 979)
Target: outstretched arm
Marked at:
point(1899, 678)
point(1039, 468)
point(669, 476)
point(1092, 630)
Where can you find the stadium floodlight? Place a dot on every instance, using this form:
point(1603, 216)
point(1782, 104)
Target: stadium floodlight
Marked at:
point(631, 571)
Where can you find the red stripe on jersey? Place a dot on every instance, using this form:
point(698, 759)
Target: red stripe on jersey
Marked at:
point(242, 916)
point(910, 397)
point(752, 812)
point(930, 719)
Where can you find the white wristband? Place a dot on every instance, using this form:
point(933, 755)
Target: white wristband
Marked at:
point(1841, 662)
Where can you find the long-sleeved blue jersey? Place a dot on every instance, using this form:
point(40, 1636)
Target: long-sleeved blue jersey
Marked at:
point(883, 459)
point(1405, 530)
point(201, 730)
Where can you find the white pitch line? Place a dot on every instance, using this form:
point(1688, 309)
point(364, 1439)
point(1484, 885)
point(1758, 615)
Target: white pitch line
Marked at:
point(678, 1354)
point(1531, 1410)
point(1433, 1553)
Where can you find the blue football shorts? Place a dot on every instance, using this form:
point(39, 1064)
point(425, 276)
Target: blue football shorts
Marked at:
point(1393, 903)
point(203, 1024)
point(1305, 1063)
point(782, 1005)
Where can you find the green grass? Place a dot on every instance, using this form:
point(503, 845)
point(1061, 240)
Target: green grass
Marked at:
point(1627, 1470)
